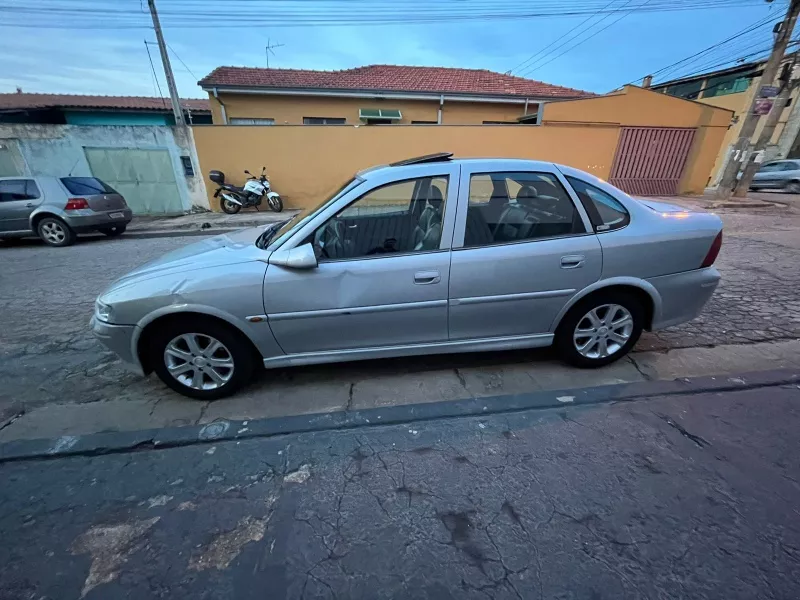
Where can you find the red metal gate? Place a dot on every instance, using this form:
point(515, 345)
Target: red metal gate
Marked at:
point(650, 160)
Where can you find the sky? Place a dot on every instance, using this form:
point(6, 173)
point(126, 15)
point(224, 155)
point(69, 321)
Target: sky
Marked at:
point(51, 54)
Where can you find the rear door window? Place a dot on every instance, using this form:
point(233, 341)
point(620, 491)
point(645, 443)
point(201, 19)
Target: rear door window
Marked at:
point(605, 211)
point(87, 186)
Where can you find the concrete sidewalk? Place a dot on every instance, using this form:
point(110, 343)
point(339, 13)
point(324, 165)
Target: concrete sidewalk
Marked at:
point(204, 223)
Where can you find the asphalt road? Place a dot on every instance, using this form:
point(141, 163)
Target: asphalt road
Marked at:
point(49, 358)
point(688, 496)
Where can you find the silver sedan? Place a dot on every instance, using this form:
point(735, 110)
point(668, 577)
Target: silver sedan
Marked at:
point(426, 256)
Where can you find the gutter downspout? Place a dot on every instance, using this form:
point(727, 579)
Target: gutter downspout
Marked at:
point(525, 112)
point(222, 108)
point(441, 104)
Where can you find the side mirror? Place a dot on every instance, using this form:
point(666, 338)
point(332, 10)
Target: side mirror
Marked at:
point(246, 172)
point(302, 257)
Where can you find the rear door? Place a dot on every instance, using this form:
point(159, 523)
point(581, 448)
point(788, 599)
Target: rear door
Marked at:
point(18, 199)
point(383, 272)
point(522, 248)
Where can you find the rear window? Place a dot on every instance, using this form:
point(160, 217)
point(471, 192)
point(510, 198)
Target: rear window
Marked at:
point(87, 186)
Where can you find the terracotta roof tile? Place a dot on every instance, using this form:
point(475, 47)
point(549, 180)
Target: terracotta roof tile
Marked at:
point(391, 78)
point(34, 101)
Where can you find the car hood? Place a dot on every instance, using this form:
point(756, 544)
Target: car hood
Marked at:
point(220, 250)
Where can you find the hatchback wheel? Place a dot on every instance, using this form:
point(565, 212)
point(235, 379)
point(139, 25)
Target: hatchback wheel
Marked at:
point(793, 187)
point(202, 359)
point(55, 232)
point(600, 329)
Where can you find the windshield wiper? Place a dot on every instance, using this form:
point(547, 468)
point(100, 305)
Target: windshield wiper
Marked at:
point(265, 238)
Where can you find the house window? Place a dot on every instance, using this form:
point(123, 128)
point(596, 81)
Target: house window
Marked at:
point(379, 116)
point(324, 121)
point(726, 84)
point(688, 89)
point(251, 121)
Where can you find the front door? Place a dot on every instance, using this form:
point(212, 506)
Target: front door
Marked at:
point(384, 267)
point(527, 248)
point(18, 199)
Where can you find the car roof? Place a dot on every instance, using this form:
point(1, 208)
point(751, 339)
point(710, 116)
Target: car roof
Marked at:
point(489, 162)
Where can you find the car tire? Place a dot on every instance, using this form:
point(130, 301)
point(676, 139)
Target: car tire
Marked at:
point(113, 231)
point(793, 187)
point(597, 323)
point(171, 351)
point(54, 232)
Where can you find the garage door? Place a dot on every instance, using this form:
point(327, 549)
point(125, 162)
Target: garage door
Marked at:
point(144, 177)
point(650, 160)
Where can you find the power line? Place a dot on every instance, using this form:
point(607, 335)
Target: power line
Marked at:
point(749, 28)
point(586, 39)
point(524, 62)
point(155, 77)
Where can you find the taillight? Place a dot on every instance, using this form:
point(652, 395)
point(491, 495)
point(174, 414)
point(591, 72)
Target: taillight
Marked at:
point(713, 252)
point(76, 203)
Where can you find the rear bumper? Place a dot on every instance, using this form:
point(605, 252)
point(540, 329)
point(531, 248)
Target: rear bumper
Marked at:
point(118, 339)
point(683, 295)
point(85, 220)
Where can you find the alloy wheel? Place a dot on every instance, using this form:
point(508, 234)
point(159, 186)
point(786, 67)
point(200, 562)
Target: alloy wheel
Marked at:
point(54, 232)
point(199, 361)
point(603, 331)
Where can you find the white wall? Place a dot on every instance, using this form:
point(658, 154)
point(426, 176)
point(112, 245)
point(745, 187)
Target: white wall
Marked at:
point(59, 150)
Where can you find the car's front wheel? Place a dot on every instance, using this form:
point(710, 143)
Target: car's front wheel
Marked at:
point(793, 187)
point(600, 329)
point(202, 359)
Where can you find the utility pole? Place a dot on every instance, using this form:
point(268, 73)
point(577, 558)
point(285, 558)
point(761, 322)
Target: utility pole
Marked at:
point(162, 47)
point(765, 136)
point(742, 144)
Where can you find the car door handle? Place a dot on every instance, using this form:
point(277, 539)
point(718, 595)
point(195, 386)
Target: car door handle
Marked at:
point(30, 205)
point(573, 261)
point(427, 277)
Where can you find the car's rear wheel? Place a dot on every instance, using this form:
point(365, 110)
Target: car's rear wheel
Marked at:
point(793, 187)
point(55, 232)
point(113, 231)
point(202, 359)
point(600, 329)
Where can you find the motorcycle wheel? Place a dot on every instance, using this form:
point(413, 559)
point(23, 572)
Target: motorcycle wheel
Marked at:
point(229, 207)
point(275, 203)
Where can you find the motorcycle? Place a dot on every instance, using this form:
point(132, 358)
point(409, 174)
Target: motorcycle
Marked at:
point(255, 189)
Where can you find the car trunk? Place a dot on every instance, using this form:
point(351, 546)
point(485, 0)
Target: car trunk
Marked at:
point(106, 202)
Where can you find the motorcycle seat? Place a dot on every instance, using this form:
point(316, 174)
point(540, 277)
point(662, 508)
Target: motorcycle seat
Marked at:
point(232, 188)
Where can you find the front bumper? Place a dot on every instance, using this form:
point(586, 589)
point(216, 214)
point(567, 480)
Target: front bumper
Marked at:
point(683, 295)
point(118, 339)
point(85, 220)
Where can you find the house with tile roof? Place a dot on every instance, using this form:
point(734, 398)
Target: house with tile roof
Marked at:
point(377, 95)
point(70, 109)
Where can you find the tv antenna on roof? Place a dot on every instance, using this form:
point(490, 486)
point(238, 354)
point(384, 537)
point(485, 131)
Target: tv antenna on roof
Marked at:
point(269, 48)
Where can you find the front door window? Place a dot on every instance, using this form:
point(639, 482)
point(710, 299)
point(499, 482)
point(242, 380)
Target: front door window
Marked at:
point(398, 218)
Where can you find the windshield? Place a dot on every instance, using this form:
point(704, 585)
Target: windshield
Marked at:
point(276, 235)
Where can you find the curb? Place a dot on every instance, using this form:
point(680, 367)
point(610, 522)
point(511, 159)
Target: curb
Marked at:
point(218, 431)
point(160, 233)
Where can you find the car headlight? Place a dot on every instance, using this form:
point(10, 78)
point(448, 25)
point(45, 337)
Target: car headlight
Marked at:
point(102, 312)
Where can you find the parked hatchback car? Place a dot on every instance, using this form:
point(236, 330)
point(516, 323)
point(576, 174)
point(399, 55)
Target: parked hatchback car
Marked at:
point(57, 209)
point(426, 256)
point(778, 175)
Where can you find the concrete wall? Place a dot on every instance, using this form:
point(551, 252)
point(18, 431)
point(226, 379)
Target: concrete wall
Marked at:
point(59, 150)
point(290, 110)
point(306, 163)
point(634, 106)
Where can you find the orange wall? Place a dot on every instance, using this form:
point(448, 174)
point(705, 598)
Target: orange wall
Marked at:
point(290, 110)
point(306, 163)
point(634, 106)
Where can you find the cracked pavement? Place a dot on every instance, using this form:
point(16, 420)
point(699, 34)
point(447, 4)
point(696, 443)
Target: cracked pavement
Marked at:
point(58, 380)
point(684, 496)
